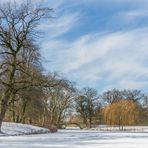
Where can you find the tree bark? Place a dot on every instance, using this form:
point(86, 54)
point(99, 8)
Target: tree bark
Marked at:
point(4, 106)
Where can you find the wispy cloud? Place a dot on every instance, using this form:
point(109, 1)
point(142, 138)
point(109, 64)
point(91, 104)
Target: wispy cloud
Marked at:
point(132, 15)
point(136, 13)
point(111, 59)
point(60, 25)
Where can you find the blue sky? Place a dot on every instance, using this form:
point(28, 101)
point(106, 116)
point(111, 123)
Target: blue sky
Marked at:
point(98, 43)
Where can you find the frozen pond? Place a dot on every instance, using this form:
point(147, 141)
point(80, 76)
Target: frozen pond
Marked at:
point(78, 139)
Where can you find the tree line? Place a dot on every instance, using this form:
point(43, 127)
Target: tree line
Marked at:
point(112, 107)
point(27, 95)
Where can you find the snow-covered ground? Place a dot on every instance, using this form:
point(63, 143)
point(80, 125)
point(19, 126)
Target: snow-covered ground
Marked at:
point(20, 129)
point(78, 139)
point(125, 128)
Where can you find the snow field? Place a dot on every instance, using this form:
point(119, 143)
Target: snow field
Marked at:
point(78, 139)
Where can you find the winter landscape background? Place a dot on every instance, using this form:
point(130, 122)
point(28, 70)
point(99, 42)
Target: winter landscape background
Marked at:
point(73, 73)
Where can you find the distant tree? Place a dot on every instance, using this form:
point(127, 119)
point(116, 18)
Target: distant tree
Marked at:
point(144, 111)
point(86, 105)
point(98, 116)
point(111, 96)
point(59, 100)
point(134, 95)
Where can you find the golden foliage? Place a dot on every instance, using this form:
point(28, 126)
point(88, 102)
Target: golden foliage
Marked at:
point(123, 112)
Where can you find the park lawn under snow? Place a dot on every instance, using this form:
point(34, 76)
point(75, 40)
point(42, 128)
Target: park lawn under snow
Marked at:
point(79, 139)
point(12, 129)
point(132, 137)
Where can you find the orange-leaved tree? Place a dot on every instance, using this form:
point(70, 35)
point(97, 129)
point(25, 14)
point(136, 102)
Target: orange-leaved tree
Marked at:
point(123, 112)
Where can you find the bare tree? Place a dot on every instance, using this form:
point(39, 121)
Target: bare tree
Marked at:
point(134, 95)
point(18, 36)
point(111, 96)
point(59, 100)
point(86, 105)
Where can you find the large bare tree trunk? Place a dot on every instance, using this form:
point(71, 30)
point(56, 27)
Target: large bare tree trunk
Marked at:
point(3, 107)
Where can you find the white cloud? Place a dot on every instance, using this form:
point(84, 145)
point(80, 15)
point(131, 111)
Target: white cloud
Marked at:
point(137, 13)
point(62, 24)
point(112, 59)
point(131, 15)
point(20, 1)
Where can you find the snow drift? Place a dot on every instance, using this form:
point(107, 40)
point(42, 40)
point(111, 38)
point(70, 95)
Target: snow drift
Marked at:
point(13, 129)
